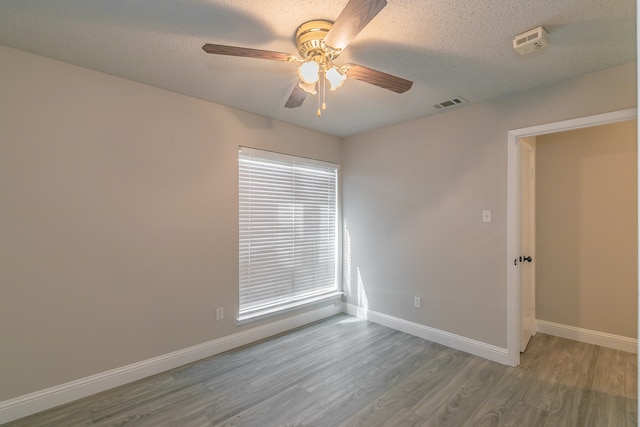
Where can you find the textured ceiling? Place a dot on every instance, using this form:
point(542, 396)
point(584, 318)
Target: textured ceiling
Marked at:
point(449, 48)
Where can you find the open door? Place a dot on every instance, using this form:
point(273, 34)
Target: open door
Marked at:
point(515, 315)
point(526, 258)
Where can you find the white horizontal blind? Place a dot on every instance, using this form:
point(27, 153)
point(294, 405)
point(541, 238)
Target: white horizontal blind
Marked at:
point(288, 230)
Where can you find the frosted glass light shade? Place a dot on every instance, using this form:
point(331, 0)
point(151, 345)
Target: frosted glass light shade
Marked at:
point(308, 87)
point(336, 78)
point(308, 72)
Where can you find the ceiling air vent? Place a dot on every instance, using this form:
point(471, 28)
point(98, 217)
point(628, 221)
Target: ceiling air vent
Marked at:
point(531, 41)
point(450, 103)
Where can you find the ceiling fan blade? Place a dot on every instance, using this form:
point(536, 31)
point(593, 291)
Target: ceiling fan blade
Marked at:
point(353, 18)
point(218, 49)
point(378, 78)
point(296, 98)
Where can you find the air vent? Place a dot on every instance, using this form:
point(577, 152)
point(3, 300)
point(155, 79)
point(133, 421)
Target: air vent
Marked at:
point(531, 41)
point(450, 103)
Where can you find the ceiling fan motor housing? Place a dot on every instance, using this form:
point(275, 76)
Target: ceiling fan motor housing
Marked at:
point(310, 36)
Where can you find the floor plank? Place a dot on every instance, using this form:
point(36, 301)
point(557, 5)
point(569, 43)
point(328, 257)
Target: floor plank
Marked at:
point(347, 372)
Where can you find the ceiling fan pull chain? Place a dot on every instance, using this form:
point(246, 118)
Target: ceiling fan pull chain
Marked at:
point(321, 93)
point(324, 89)
point(319, 103)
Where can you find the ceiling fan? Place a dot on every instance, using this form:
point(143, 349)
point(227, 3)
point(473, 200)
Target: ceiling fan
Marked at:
point(319, 43)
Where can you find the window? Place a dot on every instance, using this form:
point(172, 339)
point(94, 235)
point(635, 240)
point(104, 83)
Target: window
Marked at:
point(288, 231)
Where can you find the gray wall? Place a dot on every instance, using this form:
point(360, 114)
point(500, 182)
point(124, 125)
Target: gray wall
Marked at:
point(118, 222)
point(587, 228)
point(413, 199)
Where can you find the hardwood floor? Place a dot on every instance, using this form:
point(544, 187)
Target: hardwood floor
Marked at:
point(343, 371)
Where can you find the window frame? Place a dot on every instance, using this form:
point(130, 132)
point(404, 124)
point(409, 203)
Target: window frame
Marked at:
point(291, 303)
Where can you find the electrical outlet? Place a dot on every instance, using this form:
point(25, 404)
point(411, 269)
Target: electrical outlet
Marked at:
point(417, 303)
point(219, 313)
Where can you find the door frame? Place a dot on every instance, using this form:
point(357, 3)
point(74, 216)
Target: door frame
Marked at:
point(513, 203)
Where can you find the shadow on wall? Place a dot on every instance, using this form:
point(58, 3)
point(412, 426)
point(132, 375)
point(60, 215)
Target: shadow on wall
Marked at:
point(354, 291)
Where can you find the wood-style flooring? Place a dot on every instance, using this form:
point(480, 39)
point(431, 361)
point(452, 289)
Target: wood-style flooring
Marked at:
point(344, 371)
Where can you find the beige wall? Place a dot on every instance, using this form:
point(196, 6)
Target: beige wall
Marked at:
point(587, 217)
point(413, 199)
point(118, 219)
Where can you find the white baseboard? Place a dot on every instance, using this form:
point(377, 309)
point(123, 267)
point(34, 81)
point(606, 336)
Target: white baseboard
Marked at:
point(32, 403)
point(588, 336)
point(468, 345)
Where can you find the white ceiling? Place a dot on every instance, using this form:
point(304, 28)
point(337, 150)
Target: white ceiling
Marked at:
point(449, 48)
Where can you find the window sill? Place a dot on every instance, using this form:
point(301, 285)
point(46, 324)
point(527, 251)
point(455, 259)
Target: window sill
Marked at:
point(270, 312)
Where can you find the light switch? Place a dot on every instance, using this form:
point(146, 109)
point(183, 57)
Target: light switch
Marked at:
point(486, 215)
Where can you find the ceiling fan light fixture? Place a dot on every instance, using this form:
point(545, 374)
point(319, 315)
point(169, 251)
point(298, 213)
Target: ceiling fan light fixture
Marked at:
point(308, 87)
point(336, 78)
point(308, 72)
point(319, 43)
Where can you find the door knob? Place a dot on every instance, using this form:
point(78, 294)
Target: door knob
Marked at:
point(526, 258)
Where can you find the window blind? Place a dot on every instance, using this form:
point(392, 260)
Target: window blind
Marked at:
point(288, 230)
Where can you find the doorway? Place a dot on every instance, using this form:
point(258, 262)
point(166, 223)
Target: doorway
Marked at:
point(514, 221)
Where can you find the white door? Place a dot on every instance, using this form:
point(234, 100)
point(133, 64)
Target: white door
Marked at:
point(526, 257)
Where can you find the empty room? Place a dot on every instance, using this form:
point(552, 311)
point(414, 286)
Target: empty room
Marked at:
point(337, 213)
